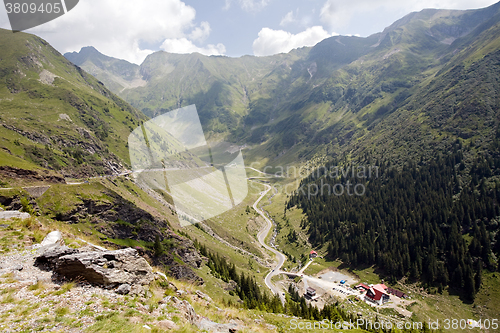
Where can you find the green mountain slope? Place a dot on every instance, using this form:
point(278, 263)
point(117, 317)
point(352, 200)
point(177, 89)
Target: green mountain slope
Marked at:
point(57, 117)
point(420, 99)
point(360, 107)
point(225, 90)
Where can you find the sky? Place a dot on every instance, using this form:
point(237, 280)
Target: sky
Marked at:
point(131, 30)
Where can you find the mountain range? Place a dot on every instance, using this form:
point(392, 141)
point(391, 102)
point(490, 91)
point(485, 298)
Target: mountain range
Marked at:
point(348, 95)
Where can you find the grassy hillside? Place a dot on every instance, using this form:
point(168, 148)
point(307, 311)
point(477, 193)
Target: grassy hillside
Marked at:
point(56, 116)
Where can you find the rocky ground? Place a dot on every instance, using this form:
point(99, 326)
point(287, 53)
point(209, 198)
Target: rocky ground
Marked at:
point(32, 300)
point(38, 296)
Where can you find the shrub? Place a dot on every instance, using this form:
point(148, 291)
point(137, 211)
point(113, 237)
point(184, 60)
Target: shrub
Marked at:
point(26, 206)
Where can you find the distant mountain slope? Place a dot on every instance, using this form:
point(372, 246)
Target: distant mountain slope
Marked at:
point(363, 106)
point(224, 89)
point(116, 74)
point(55, 116)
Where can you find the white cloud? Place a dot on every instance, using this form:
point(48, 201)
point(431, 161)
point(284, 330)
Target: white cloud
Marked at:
point(227, 5)
point(253, 5)
point(200, 33)
point(248, 5)
point(278, 41)
point(118, 28)
point(183, 45)
point(287, 19)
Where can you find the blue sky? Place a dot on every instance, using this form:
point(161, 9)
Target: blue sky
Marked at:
point(131, 29)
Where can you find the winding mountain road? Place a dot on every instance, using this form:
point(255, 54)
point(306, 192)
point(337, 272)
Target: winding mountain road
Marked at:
point(261, 236)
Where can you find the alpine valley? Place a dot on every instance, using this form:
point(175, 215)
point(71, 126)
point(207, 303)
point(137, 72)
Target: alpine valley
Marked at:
point(373, 170)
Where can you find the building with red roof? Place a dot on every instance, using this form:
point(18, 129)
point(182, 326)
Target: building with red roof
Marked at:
point(396, 293)
point(381, 287)
point(376, 295)
point(362, 286)
point(313, 254)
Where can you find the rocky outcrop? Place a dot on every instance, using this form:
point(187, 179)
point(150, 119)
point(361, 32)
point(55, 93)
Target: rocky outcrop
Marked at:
point(50, 249)
point(231, 285)
point(33, 136)
point(182, 272)
point(107, 268)
point(117, 218)
point(122, 268)
point(17, 173)
point(49, 255)
point(188, 311)
point(187, 252)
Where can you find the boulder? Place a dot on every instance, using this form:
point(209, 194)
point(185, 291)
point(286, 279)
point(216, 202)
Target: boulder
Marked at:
point(123, 289)
point(49, 254)
point(211, 326)
point(107, 268)
point(203, 296)
point(54, 237)
point(167, 325)
point(186, 309)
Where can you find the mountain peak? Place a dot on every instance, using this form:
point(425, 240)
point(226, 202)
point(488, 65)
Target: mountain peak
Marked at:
point(86, 53)
point(90, 50)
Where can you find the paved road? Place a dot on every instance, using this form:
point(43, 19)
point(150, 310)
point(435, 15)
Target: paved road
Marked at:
point(261, 237)
point(305, 266)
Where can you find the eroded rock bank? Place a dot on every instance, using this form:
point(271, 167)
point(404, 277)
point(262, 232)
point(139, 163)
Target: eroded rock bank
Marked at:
point(123, 269)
